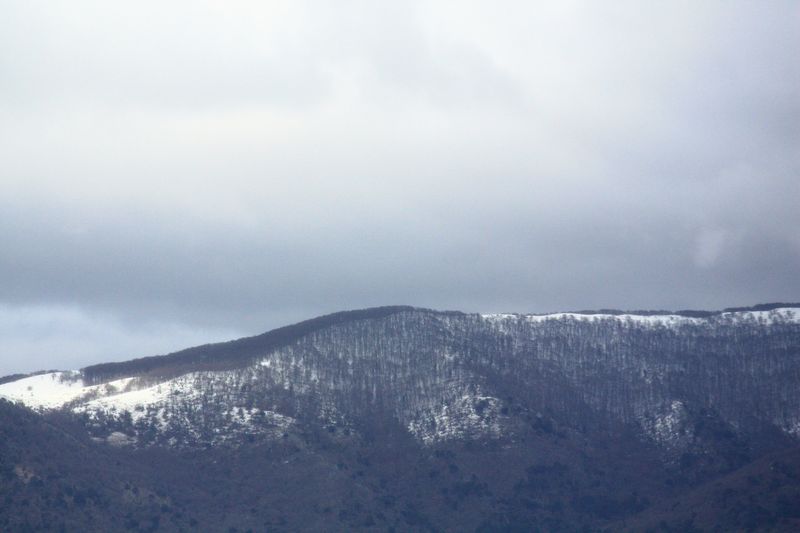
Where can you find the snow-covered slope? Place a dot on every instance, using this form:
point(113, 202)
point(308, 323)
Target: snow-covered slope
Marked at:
point(779, 314)
point(446, 376)
point(53, 390)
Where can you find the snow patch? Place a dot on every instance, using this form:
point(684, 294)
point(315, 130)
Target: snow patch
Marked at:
point(470, 416)
point(54, 390)
point(669, 427)
point(118, 438)
point(779, 315)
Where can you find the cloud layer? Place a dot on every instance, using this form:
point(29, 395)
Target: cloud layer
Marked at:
point(224, 168)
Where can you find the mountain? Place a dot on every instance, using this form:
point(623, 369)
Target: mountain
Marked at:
point(414, 419)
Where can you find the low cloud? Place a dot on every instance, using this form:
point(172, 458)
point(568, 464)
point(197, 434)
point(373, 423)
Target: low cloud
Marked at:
point(224, 169)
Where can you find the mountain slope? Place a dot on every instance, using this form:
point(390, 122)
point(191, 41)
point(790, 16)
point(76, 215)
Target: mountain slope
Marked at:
point(763, 495)
point(450, 375)
point(421, 420)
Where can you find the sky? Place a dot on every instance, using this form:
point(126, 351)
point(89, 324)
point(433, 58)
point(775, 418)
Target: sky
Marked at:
point(175, 173)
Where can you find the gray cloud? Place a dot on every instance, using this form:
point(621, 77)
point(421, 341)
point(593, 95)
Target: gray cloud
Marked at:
point(174, 173)
point(43, 337)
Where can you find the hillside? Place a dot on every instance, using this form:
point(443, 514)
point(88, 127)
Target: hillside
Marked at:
point(422, 420)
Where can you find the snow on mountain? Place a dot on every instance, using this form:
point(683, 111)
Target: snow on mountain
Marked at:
point(468, 415)
point(53, 390)
point(446, 376)
point(199, 407)
point(781, 314)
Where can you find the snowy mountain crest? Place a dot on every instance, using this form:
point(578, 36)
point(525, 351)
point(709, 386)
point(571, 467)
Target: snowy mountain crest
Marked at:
point(447, 376)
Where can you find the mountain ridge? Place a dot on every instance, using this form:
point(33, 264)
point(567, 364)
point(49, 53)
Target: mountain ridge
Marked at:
point(290, 332)
point(285, 334)
point(421, 420)
point(452, 360)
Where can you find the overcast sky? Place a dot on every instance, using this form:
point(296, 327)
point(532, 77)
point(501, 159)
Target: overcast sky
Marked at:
point(173, 173)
